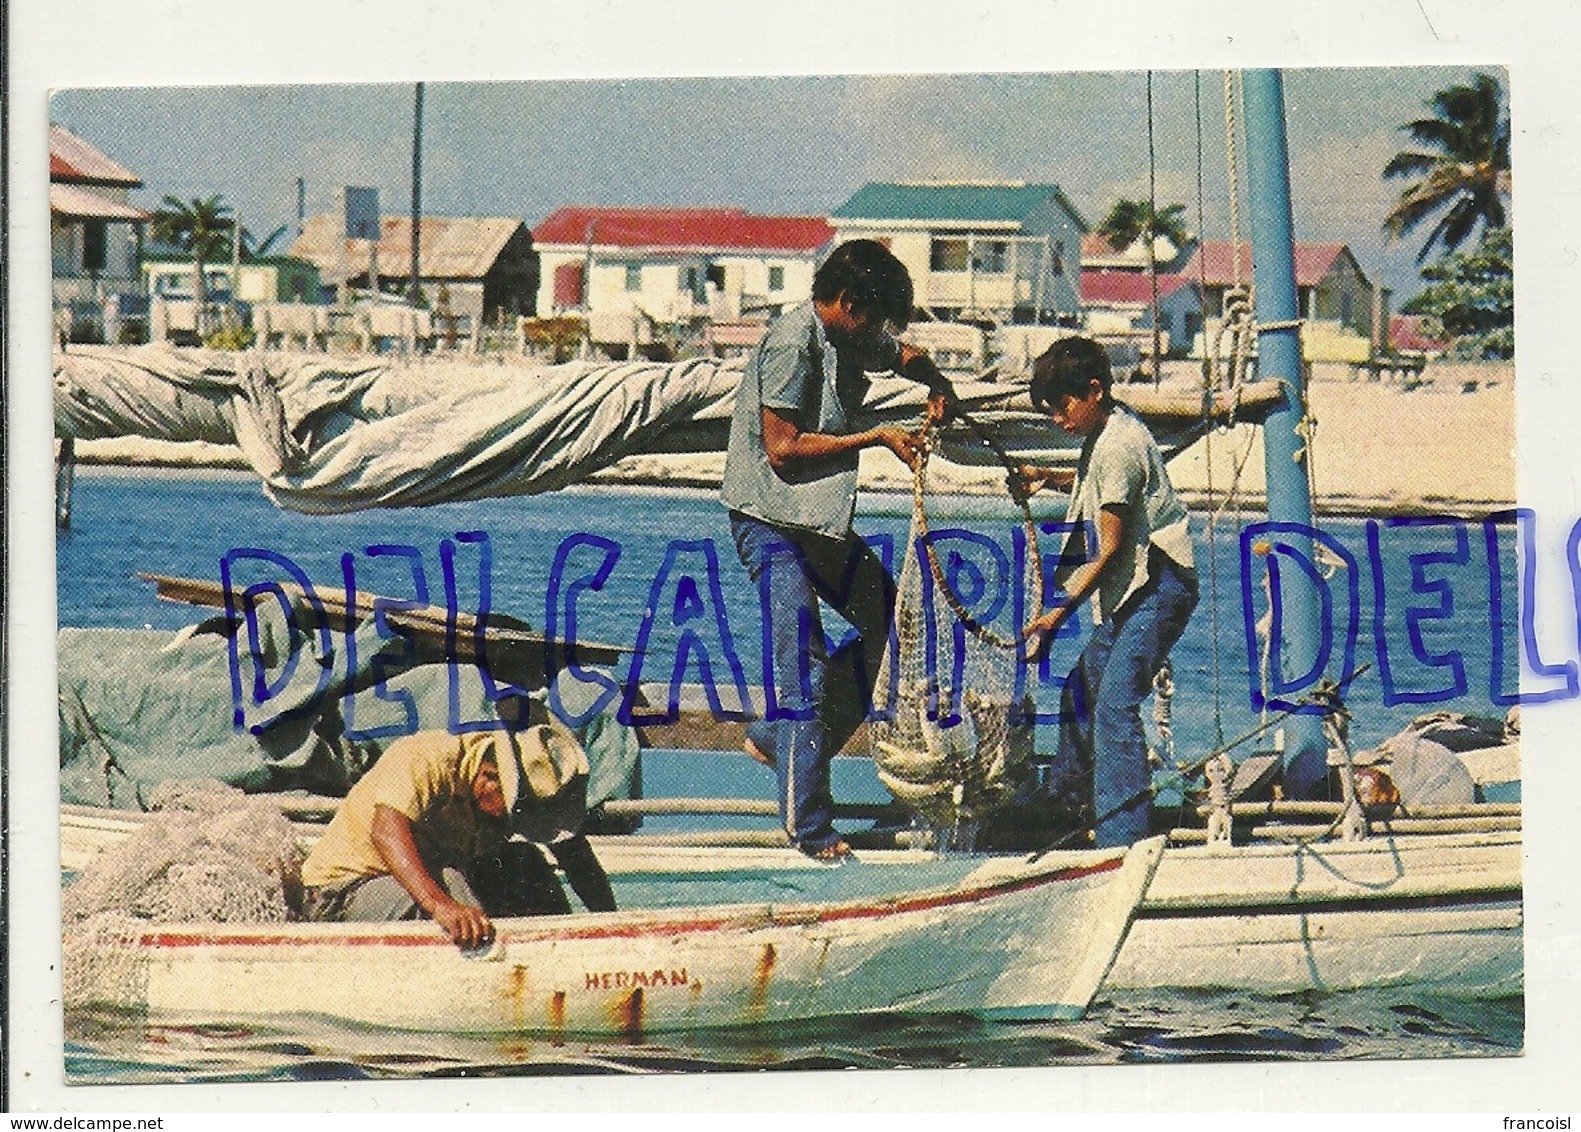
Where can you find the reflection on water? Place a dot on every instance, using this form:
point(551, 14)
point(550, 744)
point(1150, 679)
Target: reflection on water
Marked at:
point(1128, 1028)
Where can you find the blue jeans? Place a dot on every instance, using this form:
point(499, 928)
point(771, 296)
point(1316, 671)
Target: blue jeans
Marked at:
point(814, 698)
point(1102, 748)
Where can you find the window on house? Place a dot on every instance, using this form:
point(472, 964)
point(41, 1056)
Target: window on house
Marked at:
point(1057, 266)
point(776, 279)
point(634, 277)
point(991, 257)
point(716, 275)
point(93, 245)
point(948, 255)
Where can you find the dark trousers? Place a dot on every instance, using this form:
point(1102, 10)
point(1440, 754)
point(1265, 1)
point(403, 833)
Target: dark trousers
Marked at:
point(819, 697)
point(520, 881)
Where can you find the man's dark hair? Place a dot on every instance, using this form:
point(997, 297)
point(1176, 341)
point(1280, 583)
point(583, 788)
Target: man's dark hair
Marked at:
point(1067, 369)
point(868, 274)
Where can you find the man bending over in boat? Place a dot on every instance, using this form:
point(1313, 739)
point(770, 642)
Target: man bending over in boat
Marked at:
point(790, 484)
point(1142, 581)
point(429, 827)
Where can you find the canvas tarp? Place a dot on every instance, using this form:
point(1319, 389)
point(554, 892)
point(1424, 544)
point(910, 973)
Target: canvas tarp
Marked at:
point(142, 706)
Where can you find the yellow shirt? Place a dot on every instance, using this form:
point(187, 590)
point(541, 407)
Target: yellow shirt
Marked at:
point(428, 777)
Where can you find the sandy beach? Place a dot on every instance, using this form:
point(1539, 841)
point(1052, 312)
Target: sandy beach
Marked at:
point(1379, 448)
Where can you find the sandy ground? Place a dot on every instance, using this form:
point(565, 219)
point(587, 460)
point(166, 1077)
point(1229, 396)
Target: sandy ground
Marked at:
point(1381, 449)
point(1378, 449)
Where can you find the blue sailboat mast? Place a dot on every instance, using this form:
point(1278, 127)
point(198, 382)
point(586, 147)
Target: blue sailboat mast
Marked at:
point(1285, 438)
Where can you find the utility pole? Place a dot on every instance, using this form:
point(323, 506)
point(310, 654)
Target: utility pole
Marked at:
point(587, 291)
point(301, 205)
point(417, 192)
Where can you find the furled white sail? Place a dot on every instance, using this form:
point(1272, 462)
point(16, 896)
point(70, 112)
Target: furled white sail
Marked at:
point(329, 434)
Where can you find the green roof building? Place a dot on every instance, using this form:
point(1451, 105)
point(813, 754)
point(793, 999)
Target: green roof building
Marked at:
point(1000, 252)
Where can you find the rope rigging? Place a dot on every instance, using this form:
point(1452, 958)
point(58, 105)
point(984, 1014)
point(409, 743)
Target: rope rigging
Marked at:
point(1150, 235)
point(947, 742)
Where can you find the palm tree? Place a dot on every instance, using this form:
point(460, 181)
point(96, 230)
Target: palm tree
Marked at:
point(1130, 221)
point(1463, 169)
point(202, 228)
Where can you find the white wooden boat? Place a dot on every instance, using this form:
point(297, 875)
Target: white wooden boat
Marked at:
point(993, 937)
point(1437, 911)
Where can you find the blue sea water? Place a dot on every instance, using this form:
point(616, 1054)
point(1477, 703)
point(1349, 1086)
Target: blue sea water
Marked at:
point(183, 524)
point(172, 524)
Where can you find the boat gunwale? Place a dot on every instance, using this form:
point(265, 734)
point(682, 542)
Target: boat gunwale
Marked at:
point(1329, 904)
point(633, 923)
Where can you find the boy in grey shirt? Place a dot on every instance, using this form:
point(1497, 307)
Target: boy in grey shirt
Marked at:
point(1141, 578)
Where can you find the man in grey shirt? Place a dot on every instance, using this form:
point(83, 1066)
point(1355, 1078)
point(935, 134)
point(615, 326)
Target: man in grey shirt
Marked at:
point(790, 484)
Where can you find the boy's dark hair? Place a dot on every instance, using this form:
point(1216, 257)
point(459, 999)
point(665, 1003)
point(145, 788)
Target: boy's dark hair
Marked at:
point(869, 275)
point(1067, 369)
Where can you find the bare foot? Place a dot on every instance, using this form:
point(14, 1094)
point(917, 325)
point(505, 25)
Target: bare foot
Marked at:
point(832, 854)
point(757, 754)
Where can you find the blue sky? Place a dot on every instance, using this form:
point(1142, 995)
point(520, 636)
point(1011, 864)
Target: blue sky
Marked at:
point(786, 144)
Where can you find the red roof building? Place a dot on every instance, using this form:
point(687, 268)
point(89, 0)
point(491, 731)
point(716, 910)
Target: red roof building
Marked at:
point(1313, 262)
point(1098, 254)
point(683, 229)
point(635, 271)
point(1122, 301)
point(1124, 287)
point(1329, 282)
point(94, 232)
point(1094, 246)
point(73, 161)
point(1408, 334)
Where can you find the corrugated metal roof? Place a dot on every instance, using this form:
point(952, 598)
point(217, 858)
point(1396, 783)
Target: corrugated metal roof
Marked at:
point(964, 201)
point(676, 229)
point(453, 247)
point(1128, 286)
point(81, 204)
point(72, 159)
point(1313, 262)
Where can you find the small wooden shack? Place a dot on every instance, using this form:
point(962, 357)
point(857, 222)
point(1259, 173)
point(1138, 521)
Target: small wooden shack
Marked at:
point(475, 268)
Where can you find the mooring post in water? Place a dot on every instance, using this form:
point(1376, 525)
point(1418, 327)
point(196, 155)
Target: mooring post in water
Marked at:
point(65, 472)
point(1286, 432)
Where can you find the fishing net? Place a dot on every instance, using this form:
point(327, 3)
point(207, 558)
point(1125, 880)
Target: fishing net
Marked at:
point(205, 852)
point(952, 734)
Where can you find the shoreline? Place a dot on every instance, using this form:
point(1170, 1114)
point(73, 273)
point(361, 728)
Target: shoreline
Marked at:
point(880, 499)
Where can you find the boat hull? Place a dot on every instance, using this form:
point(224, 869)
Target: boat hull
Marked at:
point(1011, 939)
point(1441, 913)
